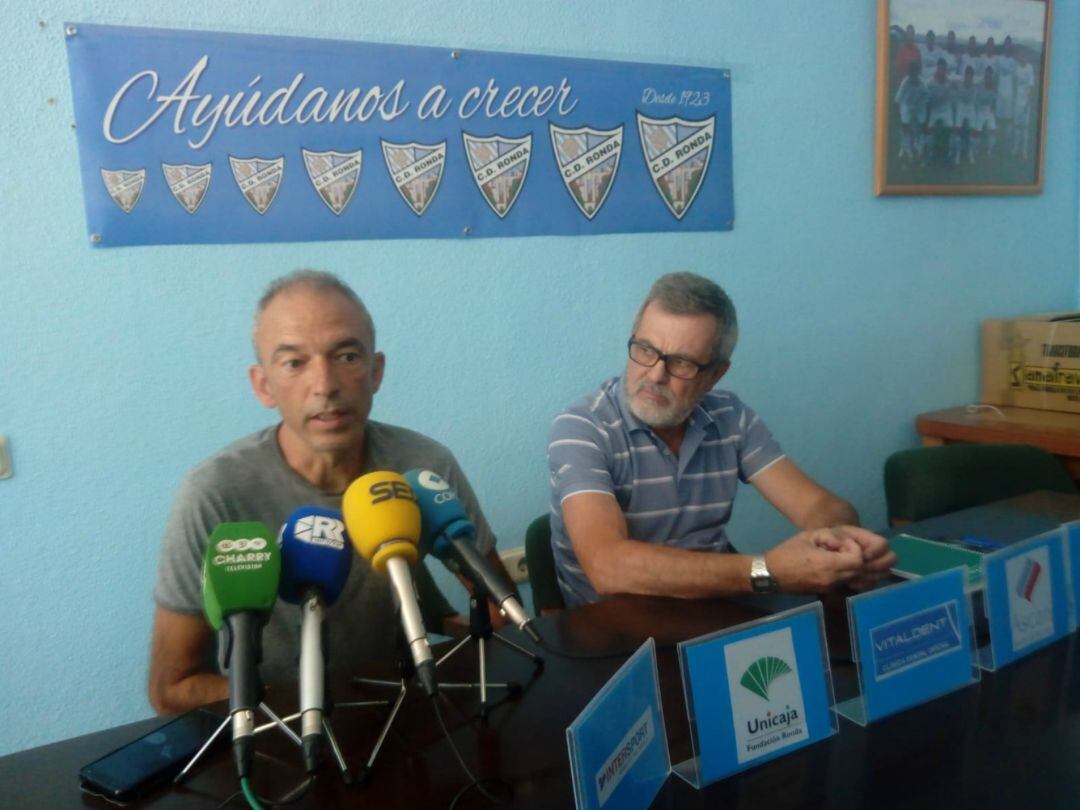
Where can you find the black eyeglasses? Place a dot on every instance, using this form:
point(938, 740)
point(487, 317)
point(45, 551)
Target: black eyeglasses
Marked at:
point(682, 367)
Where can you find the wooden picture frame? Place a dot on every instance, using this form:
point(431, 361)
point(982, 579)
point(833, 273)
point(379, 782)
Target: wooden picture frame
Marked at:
point(939, 129)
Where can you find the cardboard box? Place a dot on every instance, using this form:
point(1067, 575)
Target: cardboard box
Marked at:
point(1032, 361)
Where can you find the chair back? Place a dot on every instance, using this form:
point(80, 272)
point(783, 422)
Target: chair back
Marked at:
point(929, 481)
point(541, 562)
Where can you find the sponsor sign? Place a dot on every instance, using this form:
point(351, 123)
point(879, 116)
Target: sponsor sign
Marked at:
point(475, 144)
point(618, 745)
point(755, 692)
point(1026, 599)
point(911, 642)
point(1072, 535)
point(767, 705)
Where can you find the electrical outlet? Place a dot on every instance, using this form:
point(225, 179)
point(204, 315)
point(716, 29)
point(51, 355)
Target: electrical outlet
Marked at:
point(5, 459)
point(514, 560)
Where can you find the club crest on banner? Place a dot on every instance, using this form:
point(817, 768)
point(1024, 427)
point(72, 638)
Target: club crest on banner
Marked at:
point(335, 175)
point(499, 166)
point(125, 187)
point(417, 170)
point(677, 153)
point(588, 160)
point(188, 183)
point(258, 179)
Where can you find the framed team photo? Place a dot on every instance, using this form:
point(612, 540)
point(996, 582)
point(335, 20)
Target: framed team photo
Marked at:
point(961, 96)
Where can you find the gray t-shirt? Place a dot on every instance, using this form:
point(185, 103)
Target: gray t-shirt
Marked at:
point(250, 480)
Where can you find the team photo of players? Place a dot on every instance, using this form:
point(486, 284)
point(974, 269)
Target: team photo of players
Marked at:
point(964, 93)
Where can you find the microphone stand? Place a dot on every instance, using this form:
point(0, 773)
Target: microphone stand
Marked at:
point(406, 670)
point(275, 721)
point(480, 631)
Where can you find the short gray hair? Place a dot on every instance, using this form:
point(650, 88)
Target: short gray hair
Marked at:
point(319, 281)
point(691, 294)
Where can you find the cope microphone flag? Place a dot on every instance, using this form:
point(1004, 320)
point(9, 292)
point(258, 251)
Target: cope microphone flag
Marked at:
point(447, 533)
point(241, 572)
point(316, 558)
point(383, 521)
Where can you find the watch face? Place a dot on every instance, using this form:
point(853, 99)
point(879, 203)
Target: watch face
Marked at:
point(763, 583)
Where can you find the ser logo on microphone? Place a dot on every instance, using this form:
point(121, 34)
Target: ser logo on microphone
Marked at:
point(320, 530)
point(386, 490)
point(435, 482)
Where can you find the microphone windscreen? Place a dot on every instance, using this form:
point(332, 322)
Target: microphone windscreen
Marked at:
point(382, 518)
point(211, 605)
point(315, 552)
point(442, 515)
point(242, 569)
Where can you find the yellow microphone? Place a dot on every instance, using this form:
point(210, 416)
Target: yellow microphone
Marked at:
point(383, 522)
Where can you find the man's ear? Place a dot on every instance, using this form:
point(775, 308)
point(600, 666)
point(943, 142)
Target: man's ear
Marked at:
point(378, 368)
point(260, 385)
point(718, 371)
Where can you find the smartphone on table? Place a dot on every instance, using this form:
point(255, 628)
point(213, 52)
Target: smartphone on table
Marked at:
point(139, 766)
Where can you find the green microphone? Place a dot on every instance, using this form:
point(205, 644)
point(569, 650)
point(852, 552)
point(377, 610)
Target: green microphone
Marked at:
point(240, 584)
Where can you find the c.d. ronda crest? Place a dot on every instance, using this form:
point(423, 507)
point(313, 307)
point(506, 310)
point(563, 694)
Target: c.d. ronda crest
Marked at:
point(416, 170)
point(188, 183)
point(125, 187)
point(677, 153)
point(334, 175)
point(259, 179)
point(499, 167)
point(588, 160)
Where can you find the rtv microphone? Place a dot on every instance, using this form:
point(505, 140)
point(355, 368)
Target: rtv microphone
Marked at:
point(384, 526)
point(447, 533)
point(315, 560)
point(240, 583)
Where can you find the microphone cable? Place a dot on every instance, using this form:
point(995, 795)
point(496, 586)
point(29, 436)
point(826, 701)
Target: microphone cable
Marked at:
point(256, 802)
point(478, 784)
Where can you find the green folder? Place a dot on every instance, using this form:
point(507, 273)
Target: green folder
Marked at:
point(916, 557)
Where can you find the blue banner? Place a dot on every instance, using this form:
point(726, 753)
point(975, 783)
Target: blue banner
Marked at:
point(196, 137)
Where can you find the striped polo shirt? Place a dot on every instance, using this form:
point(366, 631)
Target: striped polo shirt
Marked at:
point(598, 445)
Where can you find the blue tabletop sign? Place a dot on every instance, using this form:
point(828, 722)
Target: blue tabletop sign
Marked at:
point(912, 642)
point(756, 692)
point(1026, 599)
point(200, 137)
point(1072, 537)
point(618, 744)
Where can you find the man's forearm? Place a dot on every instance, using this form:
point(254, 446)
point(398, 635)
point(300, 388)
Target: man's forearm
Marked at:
point(191, 692)
point(636, 567)
point(829, 511)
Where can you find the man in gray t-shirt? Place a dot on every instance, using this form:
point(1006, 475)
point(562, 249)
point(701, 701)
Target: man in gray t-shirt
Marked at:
point(317, 365)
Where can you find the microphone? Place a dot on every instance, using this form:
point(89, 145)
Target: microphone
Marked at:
point(384, 526)
point(315, 561)
point(448, 534)
point(240, 583)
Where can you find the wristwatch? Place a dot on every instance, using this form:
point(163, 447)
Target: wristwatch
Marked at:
point(761, 581)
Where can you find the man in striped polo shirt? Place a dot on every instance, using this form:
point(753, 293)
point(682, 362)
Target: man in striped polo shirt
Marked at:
point(644, 472)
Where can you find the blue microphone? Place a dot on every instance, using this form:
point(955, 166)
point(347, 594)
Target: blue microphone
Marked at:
point(316, 557)
point(447, 533)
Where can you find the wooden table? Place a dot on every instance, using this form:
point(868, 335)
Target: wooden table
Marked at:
point(1010, 741)
point(1055, 431)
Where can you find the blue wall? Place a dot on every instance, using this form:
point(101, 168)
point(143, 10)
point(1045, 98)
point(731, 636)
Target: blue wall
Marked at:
point(122, 368)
